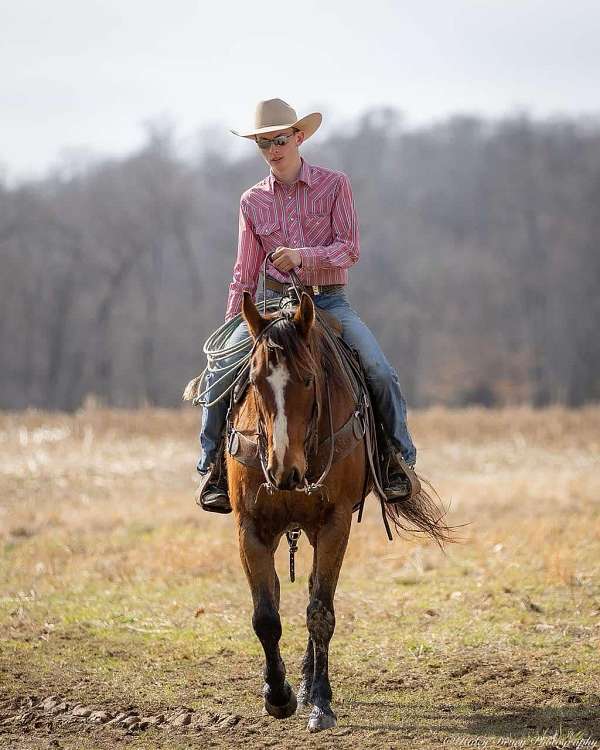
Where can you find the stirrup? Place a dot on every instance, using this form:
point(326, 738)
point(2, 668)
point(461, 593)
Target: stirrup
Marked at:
point(210, 495)
point(395, 464)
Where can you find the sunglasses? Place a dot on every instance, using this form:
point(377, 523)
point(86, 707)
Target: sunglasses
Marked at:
point(280, 140)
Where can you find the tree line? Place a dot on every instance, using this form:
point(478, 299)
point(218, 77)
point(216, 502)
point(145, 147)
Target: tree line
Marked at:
point(479, 270)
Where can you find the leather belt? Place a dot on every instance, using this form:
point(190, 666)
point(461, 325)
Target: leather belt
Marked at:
point(313, 289)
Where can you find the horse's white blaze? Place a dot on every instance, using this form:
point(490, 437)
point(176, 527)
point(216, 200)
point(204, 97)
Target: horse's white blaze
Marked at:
point(277, 379)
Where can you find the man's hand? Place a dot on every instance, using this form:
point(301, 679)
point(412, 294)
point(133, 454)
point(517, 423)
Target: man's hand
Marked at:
point(286, 258)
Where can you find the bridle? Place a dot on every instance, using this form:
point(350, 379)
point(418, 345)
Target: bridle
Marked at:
point(311, 438)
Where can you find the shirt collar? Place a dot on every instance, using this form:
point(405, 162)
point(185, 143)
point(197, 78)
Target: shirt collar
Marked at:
point(303, 175)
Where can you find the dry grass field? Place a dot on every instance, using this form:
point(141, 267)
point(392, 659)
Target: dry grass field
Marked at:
point(125, 617)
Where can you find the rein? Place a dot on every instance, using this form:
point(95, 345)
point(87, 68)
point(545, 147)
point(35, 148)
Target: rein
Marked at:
point(217, 351)
point(357, 386)
point(309, 487)
point(268, 485)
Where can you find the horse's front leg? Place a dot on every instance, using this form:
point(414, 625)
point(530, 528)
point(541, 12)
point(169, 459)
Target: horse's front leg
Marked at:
point(258, 562)
point(308, 662)
point(330, 548)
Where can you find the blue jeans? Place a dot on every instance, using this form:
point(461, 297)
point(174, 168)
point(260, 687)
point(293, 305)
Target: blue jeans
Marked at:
point(381, 377)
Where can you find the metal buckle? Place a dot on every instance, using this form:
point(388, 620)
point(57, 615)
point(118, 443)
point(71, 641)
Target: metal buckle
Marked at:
point(292, 537)
point(294, 534)
point(315, 289)
point(233, 445)
point(359, 425)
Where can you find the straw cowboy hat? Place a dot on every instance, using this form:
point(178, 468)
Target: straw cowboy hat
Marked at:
point(275, 114)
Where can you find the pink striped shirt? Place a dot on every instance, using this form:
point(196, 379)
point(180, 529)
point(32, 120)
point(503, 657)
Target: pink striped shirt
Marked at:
point(316, 215)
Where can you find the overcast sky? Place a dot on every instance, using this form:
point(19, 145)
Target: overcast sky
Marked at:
point(86, 74)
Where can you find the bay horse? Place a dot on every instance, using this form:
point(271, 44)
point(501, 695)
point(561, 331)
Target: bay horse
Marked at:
point(294, 402)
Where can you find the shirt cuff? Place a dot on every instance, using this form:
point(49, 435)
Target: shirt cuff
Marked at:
point(309, 258)
point(234, 305)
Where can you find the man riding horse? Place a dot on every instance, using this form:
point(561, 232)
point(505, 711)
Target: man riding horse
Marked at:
point(305, 216)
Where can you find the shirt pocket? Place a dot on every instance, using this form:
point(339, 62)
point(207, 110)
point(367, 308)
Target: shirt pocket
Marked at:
point(321, 206)
point(318, 224)
point(269, 233)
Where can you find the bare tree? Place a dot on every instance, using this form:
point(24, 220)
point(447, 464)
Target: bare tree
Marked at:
point(479, 272)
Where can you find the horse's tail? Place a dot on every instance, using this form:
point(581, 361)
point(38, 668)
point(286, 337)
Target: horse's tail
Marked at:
point(423, 512)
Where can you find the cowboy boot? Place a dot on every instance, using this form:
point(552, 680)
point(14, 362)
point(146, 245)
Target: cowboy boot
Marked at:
point(212, 493)
point(400, 482)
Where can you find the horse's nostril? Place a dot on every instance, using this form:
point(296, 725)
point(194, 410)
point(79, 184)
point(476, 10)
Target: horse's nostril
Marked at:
point(293, 479)
point(290, 481)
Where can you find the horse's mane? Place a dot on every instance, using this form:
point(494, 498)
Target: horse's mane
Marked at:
point(311, 356)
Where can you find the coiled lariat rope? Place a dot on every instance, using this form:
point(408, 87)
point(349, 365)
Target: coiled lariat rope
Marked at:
point(216, 350)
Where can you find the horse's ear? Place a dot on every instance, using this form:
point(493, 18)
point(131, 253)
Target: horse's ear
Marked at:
point(305, 314)
point(253, 318)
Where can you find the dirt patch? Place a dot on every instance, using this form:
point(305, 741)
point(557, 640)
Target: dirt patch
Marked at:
point(125, 618)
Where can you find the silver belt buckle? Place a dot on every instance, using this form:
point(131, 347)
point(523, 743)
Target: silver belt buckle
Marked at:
point(316, 289)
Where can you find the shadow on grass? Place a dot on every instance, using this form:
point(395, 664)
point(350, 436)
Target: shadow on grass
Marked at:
point(521, 722)
point(506, 722)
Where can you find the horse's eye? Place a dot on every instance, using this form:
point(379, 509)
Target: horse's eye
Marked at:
point(308, 382)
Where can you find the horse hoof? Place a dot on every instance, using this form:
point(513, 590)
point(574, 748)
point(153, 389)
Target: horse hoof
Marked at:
point(320, 720)
point(286, 710)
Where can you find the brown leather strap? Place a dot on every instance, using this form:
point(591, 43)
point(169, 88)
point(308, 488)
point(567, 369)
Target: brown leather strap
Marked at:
point(284, 289)
point(244, 448)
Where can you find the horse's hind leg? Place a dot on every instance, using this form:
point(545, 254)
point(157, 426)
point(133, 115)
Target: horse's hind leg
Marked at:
point(330, 548)
point(258, 562)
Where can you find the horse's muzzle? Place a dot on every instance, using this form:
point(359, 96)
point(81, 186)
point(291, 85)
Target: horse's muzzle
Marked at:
point(290, 480)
